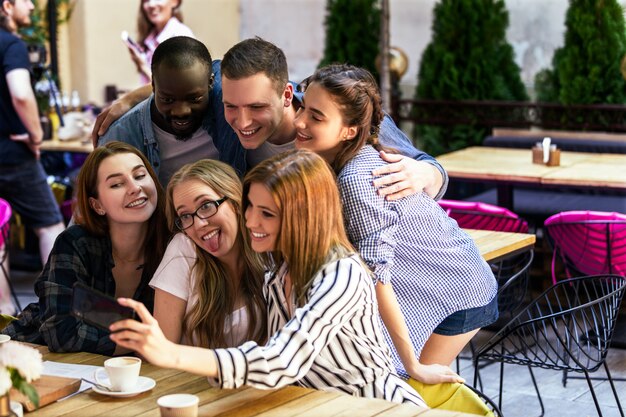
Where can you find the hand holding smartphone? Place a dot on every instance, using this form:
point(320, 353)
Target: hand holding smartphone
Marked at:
point(96, 308)
point(130, 42)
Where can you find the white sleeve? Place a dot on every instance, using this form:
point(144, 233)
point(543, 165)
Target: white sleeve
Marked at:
point(174, 272)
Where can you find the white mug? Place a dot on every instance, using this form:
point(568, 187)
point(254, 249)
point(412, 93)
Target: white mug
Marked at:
point(178, 405)
point(123, 373)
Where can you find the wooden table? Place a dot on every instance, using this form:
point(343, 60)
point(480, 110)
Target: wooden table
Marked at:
point(243, 402)
point(494, 246)
point(82, 145)
point(508, 167)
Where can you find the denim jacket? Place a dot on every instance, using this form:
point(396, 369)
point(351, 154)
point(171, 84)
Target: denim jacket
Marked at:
point(135, 128)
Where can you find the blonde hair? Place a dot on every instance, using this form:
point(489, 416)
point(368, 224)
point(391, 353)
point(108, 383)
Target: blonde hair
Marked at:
point(312, 231)
point(216, 293)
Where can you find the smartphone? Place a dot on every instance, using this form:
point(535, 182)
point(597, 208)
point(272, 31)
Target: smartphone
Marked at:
point(96, 308)
point(129, 41)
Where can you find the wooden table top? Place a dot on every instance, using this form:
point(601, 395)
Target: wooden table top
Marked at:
point(497, 245)
point(82, 145)
point(515, 165)
point(243, 402)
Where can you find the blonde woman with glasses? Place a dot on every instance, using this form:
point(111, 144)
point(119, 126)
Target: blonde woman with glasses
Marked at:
point(208, 286)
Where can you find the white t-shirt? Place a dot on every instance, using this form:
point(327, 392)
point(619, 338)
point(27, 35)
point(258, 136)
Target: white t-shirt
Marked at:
point(174, 277)
point(267, 150)
point(175, 153)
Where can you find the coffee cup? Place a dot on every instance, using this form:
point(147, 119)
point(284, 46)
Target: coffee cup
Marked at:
point(123, 373)
point(178, 405)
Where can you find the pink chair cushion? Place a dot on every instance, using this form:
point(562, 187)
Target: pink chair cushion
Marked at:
point(483, 216)
point(5, 216)
point(593, 242)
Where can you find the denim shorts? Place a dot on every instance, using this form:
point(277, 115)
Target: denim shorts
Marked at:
point(464, 321)
point(25, 187)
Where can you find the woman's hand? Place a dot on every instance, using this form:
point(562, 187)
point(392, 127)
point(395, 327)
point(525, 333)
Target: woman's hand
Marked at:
point(145, 337)
point(140, 61)
point(434, 374)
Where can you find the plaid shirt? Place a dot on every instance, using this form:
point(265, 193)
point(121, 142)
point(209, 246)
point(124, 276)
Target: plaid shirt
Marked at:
point(75, 257)
point(434, 266)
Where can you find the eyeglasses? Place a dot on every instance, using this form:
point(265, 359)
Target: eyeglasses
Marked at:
point(206, 210)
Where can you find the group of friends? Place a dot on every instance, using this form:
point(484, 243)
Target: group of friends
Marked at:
point(284, 277)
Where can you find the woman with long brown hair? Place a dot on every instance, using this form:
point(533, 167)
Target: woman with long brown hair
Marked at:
point(157, 21)
point(434, 289)
point(208, 288)
point(115, 247)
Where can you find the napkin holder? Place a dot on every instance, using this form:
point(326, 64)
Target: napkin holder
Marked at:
point(554, 159)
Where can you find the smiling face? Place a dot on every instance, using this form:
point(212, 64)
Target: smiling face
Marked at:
point(126, 192)
point(159, 12)
point(216, 235)
point(262, 219)
point(319, 124)
point(181, 97)
point(255, 110)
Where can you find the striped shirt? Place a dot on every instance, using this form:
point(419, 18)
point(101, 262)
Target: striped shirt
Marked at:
point(434, 266)
point(332, 343)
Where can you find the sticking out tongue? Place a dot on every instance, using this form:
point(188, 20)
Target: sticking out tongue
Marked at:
point(214, 242)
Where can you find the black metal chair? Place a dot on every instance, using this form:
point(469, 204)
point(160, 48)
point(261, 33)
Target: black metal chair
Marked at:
point(512, 275)
point(567, 328)
point(490, 403)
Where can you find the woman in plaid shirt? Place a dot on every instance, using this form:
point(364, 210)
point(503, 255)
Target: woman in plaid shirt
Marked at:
point(115, 246)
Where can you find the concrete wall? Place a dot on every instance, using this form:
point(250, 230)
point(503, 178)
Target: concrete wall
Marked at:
point(535, 29)
point(92, 55)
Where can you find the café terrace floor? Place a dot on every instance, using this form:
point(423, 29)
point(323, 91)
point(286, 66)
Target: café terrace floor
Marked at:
point(519, 399)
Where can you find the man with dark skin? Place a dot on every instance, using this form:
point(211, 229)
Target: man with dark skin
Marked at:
point(171, 127)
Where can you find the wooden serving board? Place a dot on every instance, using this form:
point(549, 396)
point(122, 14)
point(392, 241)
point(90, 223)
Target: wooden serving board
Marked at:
point(50, 389)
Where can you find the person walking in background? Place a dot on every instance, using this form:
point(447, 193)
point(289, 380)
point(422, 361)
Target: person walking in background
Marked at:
point(321, 302)
point(208, 288)
point(115, 246)
point(22, 178)
point(157, 21)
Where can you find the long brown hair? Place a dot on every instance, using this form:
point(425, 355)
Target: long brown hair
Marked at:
point(215, 290)
point(356, 93)
point(145, 26)
point(312, 231)
point(87, 186)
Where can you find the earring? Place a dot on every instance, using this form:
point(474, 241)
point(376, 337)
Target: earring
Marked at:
point(100, 212)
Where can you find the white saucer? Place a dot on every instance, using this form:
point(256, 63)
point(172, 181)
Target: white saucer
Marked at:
point(143, 384)
point(4, 338)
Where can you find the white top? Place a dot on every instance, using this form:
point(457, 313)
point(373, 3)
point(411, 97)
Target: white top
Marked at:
point(267, 150)
point(174, 277)
point(173, 27)
point(175, 153)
